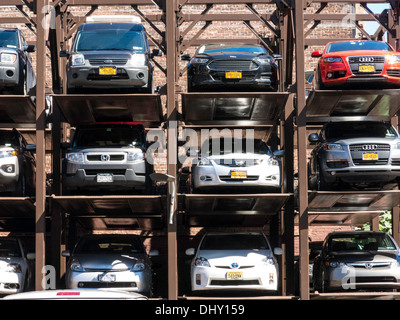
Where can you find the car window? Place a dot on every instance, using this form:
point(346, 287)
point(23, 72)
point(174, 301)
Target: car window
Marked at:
point(8, 138)
point(213, 48)
point(357, 45)
point(9, 248)
point(107, 136)
point(8, 39)
point(361, 129)
point(110, 40)
point(234, 242)
point(229, 145)
point(360, 242)
point(110, 245)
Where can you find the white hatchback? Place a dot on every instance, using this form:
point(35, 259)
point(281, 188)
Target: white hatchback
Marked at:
point(234, 261)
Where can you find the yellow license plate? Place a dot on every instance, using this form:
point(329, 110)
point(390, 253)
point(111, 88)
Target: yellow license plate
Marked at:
point(366, 68)
point(108, 71)
point(238, 175)
point(233, 75)
point(234, 275)
point(370, 156)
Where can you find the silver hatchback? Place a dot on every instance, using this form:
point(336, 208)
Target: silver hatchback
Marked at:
point(110, 261)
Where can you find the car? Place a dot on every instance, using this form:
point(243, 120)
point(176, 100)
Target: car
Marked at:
point(234, 261)
point(236, 163)
point(15, 266)
point(16, 72)
point(107, 156)
point(111, 261)
point(357, 260)
point(357, 63)
point(110, 52)
point(76, 294)
point(315, 248)
point(17, 164)
point(355, 153)
point(232, 65)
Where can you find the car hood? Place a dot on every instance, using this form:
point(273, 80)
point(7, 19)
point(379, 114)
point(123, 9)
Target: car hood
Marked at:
point(364, 256)
point(108, 261)
point(4, 261)
point(107, 54)
point(106, 149)
point(363, 140)
point(360, 53)
point(227, 257)
point(232, 55)
point(238, 155)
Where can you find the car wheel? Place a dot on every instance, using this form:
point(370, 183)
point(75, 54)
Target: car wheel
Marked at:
point(321, 182)
point(20, 190)
point(22, 88)
point(320, 85)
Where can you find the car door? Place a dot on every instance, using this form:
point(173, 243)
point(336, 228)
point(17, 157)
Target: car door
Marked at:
point(30, 73)
point(30, 163)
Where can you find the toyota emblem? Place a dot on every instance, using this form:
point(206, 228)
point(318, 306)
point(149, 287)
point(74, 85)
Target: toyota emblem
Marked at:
point(234, 265)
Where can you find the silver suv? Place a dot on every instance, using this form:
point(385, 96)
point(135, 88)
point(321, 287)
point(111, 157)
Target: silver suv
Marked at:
point(356, 153)
point(110, 52)
point(109, 156)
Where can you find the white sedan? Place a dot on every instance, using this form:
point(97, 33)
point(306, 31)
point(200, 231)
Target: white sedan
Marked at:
point(234, 261)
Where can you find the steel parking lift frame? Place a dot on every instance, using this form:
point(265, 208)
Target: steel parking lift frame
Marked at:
point(289, 29)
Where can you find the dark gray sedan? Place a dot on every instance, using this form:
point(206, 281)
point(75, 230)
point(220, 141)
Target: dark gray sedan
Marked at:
point(352, 260)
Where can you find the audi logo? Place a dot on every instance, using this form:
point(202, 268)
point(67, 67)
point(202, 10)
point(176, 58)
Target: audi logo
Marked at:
point(366, 59)
point(105, 157)
point(369, 147)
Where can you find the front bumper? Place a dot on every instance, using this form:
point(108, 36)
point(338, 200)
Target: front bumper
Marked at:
point(8, 181)
point(124, 280)
point(255, 278)
point(127, 77)
point(9, 75)
point(11, 282)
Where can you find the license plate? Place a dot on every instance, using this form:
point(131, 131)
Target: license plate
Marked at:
point(108, 71)
point(106, 278)
point(370, 156)
point(238, 175)
point(366, 68)
point(233, 75)
point(104, 177)
point(234, 275)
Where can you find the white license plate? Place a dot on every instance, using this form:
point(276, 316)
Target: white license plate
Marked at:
point(104, 177)
point(107, 278)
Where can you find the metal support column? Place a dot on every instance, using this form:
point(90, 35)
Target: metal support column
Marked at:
point(302, 151)
point(40, 224)
point(396, 224)
point(171, 10)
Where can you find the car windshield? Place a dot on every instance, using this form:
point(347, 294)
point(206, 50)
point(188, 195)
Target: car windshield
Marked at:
point(360, 242)
point(223, 47)
point(118, 39)
point(107, 136)
point(8, 39)
point(235, 242)
point(357, 45)
point(8, 138)
point(229, 145)
point(358, 130)
point(9, 248)
point(110, 245)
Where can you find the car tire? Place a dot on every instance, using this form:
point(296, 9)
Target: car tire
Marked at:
point(20, 190)
point(22, 88)
point(320, 84)
point(322, 184)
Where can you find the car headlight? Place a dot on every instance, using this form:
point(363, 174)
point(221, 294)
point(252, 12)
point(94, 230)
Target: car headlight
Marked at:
point(397, 145)
point(138, 60)
point(333, 59)
point(273, 162)
point(14, 267)
point(77, 59)
point(135, 156)
point(265, 60)
point(202, 262)
point(269, 261)
point(75, 265)
point(336, 264)
point(333, 146)
point(7, 154)
point(394, 59)
point(8, 58)
point(75, 157)
point(394, 264)
point(138, 266)
point(200, 60)
point(204, 162)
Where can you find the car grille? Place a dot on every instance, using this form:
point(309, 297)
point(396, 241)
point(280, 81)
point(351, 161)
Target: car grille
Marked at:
point(234, 282)
point(229, 179)
point(93, 172)
point(393, 73)
point(233, 65)
point(113, 157)
point(229, 267)
point(377, 61)
point(89, 284)
point(114, 62)
point(383, 150)
point(375, 279)
point(235, 162)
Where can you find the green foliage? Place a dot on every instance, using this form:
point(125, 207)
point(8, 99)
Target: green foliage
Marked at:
point(385, 223)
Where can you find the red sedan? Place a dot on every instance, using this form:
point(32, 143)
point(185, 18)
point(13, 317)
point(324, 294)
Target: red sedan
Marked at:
point(358, 62)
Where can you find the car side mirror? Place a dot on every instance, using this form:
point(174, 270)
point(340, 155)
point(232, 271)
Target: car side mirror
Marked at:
point(186, 170)
point(153, 253)
point(279, 153)
point(277, 56)
point(313, 138)
point(190, 252)
point(66, 253)
point(278, 251)
point(65, 145)
point(31, 256)
point(185, 57)
point(316, 54)
point(30, 147)
point(156, 53)
point(30, 48)
point(64, 54)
